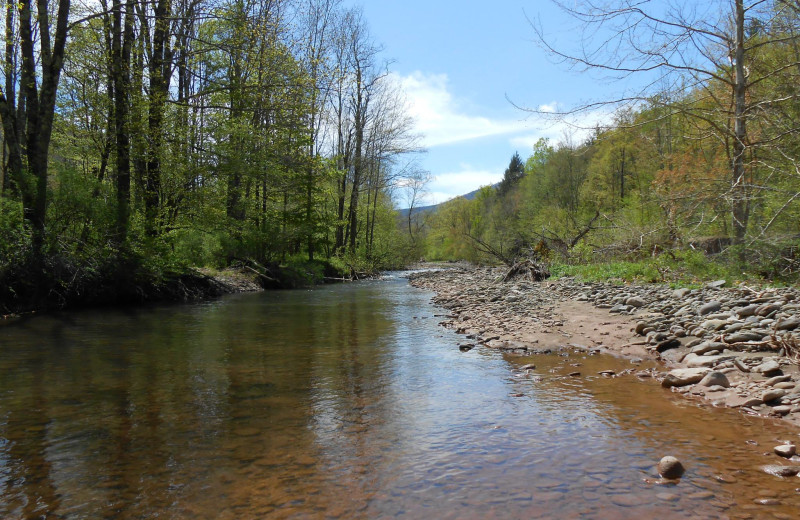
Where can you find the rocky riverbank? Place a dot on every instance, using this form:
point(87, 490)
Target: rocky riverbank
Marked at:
point(734, 346)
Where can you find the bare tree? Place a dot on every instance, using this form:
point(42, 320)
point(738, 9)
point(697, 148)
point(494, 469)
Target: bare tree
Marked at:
point(415, 187)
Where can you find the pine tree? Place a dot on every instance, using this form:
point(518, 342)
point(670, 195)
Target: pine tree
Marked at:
point(513, 174)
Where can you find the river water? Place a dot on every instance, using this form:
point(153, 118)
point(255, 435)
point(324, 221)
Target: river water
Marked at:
point(349, 402)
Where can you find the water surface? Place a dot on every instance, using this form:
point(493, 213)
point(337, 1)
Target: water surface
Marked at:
point(348, 402)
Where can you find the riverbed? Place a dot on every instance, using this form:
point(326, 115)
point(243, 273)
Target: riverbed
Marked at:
point(351, 401)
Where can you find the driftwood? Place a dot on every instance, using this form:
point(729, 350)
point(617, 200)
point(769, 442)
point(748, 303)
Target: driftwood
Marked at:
point(529, 270)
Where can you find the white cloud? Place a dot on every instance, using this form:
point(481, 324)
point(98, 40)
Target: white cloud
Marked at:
point(524, 143)
point(441, 118)
point(549, 108)
point(452, 184)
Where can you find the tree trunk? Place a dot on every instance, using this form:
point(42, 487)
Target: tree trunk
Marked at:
point(739, 186)
point(39, 108)
point(159, 90)
point(121, 52)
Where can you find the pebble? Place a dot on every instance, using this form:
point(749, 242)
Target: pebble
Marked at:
point(708, 308)
point(786, 451)
point(670, 467)
point(768, 368)
point(628, 500)
point(767, 501)
point(772, 395)
point(684, 376)
point(715, 379)
point(777, 379)
point(781, 471)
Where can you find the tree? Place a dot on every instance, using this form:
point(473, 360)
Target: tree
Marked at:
point(513, 174)
point(714, 54)
point(28, 120)
point(414, 187)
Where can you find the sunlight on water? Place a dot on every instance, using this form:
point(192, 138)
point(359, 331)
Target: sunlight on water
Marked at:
point(348, 402)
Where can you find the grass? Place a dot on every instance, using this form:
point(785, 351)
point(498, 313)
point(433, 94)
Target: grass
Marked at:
point(682, 269)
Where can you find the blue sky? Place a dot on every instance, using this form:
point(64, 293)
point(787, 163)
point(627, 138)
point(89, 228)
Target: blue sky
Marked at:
point(459, 62)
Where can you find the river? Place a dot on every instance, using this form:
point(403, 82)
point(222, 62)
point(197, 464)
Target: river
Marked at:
point(347, 402)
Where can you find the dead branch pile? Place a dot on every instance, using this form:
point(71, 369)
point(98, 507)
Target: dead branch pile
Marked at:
point(527, 269)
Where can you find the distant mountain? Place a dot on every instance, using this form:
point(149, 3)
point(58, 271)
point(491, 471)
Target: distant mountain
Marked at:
point(424, 209)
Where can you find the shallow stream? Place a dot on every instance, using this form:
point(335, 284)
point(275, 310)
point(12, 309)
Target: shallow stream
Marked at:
point(349, 401)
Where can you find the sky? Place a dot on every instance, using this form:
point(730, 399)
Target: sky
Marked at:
point(461, 65)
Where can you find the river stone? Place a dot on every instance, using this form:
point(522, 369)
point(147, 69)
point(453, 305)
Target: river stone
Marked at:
point(640, 327)
point(670, 467)
point(789, 324)
point(785, 450)
point(635, 301)
point(734, 327)
point(719, 316)
point(696, 341)
point(695, 361)
point(708, 308)
point(743, 336)
point(684, 376)
point(681, 293)
point(678, 331)
point(716, 284)
point(745, 312)
point(777, 379)
point(768, 308)
point(772, 395)
point(784, 409)
point(714, 324)
point(781, 471)
point(668, 344)
point(745, 402)
point(707, 346)
point(768, 368)
point(715, 379)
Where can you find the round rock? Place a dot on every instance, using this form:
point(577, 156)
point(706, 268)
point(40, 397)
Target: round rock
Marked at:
point(635, 301)
point(670, 467)
point(715, 379)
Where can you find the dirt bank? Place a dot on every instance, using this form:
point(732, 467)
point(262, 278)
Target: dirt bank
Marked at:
point(737, 346)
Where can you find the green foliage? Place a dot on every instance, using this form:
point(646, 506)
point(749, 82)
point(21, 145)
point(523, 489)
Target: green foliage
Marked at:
point(228, 160)
point(680, 269)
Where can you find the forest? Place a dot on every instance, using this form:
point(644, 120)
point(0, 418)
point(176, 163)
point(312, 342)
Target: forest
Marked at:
point(145, 138)
point(700, 169)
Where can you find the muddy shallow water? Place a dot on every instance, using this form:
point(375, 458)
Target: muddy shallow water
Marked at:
point(349, 402)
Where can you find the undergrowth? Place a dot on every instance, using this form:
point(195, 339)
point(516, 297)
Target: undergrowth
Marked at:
point(678, 269)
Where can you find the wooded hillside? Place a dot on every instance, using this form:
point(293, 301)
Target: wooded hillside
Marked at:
point(703, 159)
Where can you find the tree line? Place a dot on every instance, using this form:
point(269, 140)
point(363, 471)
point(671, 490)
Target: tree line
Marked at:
point(197, 132)
point(703, 158)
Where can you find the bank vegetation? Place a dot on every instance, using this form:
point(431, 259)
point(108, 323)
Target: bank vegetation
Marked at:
point(696, 175)
point(143, 138)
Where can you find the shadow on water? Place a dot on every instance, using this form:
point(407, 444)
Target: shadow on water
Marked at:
point(347, 402)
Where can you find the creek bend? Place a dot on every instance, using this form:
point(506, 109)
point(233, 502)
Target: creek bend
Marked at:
point(346, 402)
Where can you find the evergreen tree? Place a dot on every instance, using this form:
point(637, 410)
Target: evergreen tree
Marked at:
point(512, 175)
